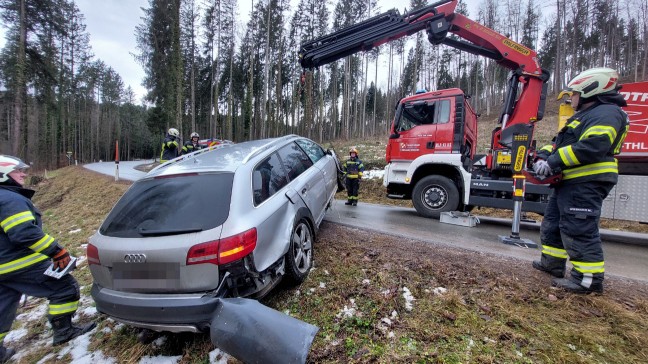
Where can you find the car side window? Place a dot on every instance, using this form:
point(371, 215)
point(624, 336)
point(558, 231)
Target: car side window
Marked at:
point(294, 160)
point(267, 178)
point(313, 150)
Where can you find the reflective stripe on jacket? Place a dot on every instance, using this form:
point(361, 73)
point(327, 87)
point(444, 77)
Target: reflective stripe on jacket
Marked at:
point(170, 149)
point(22, 240)
point(190, 147)
point(353, 168)
point(585, 147)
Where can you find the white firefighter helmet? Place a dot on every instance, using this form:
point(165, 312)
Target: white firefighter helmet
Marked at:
point(594, 81)
point(195, 135)
point(174, 132)
point(9, 164)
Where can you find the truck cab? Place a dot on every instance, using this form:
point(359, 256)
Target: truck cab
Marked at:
point(433, 137)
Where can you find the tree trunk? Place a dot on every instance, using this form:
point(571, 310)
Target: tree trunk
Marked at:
point(19, 82)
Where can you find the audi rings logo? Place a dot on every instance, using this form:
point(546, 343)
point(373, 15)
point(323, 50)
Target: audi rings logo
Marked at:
point(135, 258)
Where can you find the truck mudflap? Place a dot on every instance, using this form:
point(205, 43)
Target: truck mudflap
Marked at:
point(254, 333)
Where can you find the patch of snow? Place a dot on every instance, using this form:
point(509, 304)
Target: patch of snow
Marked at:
point(160, 359)
point(394, 314)
point(15, 335)
point(385, 292)
point(439, 291)
point(297, 292)
point(347, 311)
point(78, 349)
point(391, 335)
point(287, 312)
point(34, 314)
point(326, 272)
point(386, 320)
point(89, 311)
point(218, 356)
point(74, 231)
point(311, 290)
point(322, 285)
point(106, 330)
point(46, 358)
point(572, 347)
point(335, 343)
point(471, 343)
point(374, 173)
point(366, 282)
point(409, 299)
point(518, 353)
point(160, 341)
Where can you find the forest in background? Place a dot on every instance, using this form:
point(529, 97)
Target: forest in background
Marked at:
point(208, 72)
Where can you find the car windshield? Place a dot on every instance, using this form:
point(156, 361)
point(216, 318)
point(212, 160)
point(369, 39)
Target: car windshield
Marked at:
point(169, 205)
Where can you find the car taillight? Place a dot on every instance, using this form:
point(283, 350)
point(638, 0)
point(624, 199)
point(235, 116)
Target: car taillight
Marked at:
point(92, 253)
point(203, 253)
point(237, 246)
point(224, 250)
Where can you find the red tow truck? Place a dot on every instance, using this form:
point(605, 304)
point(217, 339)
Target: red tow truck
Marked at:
point(431, 153)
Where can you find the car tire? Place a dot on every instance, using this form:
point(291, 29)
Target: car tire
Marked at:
point(433, 195)
point(299, 259)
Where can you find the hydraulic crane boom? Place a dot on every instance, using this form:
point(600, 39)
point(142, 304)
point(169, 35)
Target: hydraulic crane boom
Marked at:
point(521, 108)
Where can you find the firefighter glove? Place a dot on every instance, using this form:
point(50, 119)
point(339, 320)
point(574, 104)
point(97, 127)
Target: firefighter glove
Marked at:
point(542, 168)
point(61, 259)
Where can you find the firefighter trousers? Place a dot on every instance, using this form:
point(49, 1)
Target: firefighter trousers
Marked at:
point(570, 229)
point(63, 294)
point(353, 186)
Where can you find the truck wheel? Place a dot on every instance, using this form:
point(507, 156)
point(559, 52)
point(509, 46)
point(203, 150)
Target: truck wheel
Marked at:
point(299, 258)
point(433, 195)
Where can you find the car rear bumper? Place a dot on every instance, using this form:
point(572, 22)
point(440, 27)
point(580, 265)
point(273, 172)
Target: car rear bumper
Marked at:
point(159, 312)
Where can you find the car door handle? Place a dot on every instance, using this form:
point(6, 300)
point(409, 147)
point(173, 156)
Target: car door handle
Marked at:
point(304, 190)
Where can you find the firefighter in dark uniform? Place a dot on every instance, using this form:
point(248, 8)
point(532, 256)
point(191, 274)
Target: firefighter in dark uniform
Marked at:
point(583, 151)
point(25, 253)
point(191, 145)
point(170, 145)
point(353, 169)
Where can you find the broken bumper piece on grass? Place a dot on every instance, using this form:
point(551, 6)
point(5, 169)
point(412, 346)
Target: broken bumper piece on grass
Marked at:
point(254, 333)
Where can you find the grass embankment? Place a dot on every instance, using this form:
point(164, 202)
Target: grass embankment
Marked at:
point(376, 299)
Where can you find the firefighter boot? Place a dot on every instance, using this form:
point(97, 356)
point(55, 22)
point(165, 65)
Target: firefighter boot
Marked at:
point(556, 272)
point(571, 286)
point(5, 354)
point(348, 203)
point(355, 202)
point(64, 331)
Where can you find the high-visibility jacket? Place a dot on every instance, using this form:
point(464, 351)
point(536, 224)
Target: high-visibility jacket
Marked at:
point(585, 147)
point(190, 147)
point(353, 168)
point(170, 148)
point(22, 240)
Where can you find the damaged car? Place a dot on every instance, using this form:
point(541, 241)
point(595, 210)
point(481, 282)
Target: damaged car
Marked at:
point(227, 222)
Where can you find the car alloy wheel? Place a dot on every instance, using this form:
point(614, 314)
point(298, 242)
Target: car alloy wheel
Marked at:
point(300, 256)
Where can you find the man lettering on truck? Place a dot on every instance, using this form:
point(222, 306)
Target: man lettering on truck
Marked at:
point(583, 151)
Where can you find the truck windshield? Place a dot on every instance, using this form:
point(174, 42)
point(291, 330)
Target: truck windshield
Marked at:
point(418, 113)
point(171, 205)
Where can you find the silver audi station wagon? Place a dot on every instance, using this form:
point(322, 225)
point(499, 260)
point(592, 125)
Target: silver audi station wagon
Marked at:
point(227, 222)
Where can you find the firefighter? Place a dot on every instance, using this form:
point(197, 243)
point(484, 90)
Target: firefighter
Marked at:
point(584, 152)
point(191, 145)
point(353, 169)
point(25, 253)
point(170, 145)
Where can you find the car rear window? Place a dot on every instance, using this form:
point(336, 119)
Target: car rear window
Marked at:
point(169, 205)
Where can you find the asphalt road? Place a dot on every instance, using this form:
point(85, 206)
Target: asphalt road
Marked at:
point(623, 260)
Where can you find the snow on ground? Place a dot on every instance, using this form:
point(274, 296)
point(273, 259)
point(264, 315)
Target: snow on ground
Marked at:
point(78, 349)
point(218, 356)
point(34, 314)
point(374, 173)
point(74, 231)
point(439, 291)
point(89, 311)
point(409, 299)
point(15, 335)
point(347, 311)
point(160, 359)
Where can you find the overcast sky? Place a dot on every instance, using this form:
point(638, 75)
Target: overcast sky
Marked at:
point(111, 24)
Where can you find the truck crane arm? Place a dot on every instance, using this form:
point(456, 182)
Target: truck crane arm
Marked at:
point(521, 108)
